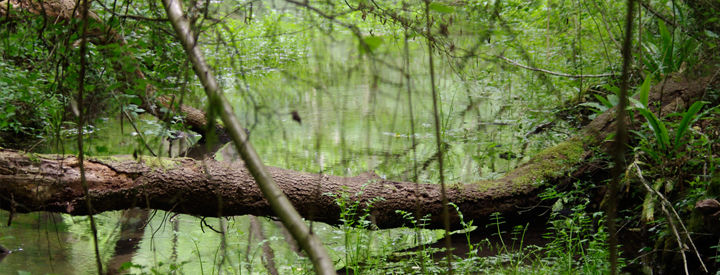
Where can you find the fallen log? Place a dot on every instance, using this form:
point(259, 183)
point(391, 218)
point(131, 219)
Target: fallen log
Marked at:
point(30, 182)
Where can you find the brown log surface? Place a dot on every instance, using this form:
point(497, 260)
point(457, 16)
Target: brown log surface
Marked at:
point(210, 188)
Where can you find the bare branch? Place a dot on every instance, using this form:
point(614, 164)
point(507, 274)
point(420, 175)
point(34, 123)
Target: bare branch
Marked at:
point(277, 200)
point(510, 61)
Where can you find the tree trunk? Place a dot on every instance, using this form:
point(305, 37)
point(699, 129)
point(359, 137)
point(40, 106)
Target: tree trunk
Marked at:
point(52, 183)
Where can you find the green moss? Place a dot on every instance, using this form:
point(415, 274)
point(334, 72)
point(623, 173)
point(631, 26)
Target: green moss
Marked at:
point(34, 158)
point(151, 162)
point(456, 186)
point(571, 150)
point(551, 162)
point(486, 185)
point(161, 163)
point(117, 158)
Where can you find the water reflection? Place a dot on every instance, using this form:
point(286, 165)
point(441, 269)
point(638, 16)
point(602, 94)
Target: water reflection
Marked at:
point(343, 118)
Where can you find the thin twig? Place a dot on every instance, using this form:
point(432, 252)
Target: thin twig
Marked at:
point(438, 139)
point(551, 72)
point(81, 121)
point(620, 144)
point(132, 123)
point(275, 197)
point(605, 23)
point(657, 14)
point(681, 246)
point(665, 201)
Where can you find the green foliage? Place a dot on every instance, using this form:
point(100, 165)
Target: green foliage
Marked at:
point(658, 128)
point(688, 118)
point(369, 43)
point(578, 238)
point(27, 110)
point(640, 98)
point(354, 215)
point(345, 82)
point(467, 228)
point(441, 8)
point(665, 146)
point(666, 51)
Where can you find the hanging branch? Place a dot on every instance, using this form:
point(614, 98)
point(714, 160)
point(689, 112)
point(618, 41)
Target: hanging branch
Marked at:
point(659, 15)
point(510, 61)
point(443, 192)
point(620, 144)
point(272, 193)
point(667, 204)
point(81, 122)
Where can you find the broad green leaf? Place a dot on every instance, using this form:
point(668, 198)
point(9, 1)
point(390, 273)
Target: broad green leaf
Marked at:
point(136, 101)
point(711, 34)
point(658, 128)
point(686, 121)
point(613, 99)
point(612, 88)
point(636, 103)
point(604, 101)
point(464, 230)
point(441, 8)
point(667, 47)
point(643, 91)
point(595, 106)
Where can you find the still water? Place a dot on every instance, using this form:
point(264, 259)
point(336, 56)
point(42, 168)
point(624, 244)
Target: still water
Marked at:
point(355, 118)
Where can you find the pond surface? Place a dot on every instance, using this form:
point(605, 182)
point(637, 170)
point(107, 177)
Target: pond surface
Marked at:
point(351, 139)
point(354, 118)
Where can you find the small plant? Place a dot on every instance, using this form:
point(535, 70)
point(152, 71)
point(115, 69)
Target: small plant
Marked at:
point(665, 145)
point(467, 228)
point(497, 220)
point(577, 237)
point(667, 51)
point(417, 226)
point(27, 109)
point(354, 216)
point(639, 98)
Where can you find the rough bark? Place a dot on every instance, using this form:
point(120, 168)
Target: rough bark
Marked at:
point(210, 188)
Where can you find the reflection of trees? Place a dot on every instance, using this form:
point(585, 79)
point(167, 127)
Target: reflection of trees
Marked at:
point(192, 187)
point(132, 230)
